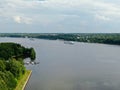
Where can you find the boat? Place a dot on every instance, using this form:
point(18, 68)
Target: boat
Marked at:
point(69, 42)
point(31, 62)
point(31, 39)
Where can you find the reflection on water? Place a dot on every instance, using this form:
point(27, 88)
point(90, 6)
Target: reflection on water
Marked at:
point(72, 67)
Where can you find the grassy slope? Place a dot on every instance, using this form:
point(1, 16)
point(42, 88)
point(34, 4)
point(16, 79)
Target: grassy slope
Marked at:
point(22, 82)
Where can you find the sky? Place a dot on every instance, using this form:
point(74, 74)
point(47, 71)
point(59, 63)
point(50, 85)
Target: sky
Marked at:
point(59, 16)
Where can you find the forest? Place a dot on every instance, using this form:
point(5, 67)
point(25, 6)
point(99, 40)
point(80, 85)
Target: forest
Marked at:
point(105, 38)
point(11, 64)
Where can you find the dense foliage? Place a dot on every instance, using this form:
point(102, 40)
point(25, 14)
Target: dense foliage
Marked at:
point(32, 54)
point(10, 72)
point(11, 64)
point(13, 50)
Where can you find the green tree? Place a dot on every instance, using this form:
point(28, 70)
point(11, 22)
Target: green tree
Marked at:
point(8, 80)
point(16, 68)
point(3, 85)
point(14, 50)
point(2, 66)
point(32, 54)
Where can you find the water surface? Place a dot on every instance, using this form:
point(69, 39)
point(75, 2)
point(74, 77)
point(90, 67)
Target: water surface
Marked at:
point(81, 66)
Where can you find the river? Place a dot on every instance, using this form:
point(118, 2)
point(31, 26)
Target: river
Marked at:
point(82, 66)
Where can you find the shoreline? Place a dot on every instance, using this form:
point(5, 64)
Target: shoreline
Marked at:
point(27, 80)
point(24, 80)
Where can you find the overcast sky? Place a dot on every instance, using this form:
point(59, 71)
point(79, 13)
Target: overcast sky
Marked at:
point(52, 16)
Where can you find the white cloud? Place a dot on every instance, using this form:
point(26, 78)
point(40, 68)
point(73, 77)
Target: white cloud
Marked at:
point(111, 10)
point(19, 10)
point(65, 4)
point(19, 19)
point(107, 10)
point(101, 17)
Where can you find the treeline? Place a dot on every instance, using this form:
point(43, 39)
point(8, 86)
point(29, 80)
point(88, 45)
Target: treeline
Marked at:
point(106, 38)
point(14, 50)
point(11, 64)
point(90, 38)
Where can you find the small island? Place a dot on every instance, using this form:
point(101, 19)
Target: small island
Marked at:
point(13, 74)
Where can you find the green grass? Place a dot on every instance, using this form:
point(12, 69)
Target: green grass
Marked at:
point(22, 81)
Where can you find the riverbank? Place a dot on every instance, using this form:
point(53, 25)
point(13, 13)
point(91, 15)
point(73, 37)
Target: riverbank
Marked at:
point(104, 38)
point(23, 81)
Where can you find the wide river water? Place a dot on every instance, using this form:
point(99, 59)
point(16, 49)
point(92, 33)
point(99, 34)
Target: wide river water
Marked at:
point(82, 66)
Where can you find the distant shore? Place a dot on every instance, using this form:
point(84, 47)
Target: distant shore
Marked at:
point(104, 38)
